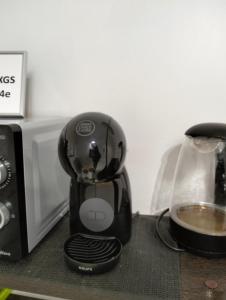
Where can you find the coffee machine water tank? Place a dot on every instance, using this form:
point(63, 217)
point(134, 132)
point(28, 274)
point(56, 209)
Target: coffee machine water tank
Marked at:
point(92, 150)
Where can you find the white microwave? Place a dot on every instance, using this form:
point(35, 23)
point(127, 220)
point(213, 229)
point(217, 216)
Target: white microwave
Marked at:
point(33, 186)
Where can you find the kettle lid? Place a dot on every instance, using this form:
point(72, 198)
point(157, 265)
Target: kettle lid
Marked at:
point(208, 130)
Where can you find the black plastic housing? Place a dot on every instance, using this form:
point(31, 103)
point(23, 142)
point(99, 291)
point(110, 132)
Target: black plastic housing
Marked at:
point(92, 147)
point(116, 193)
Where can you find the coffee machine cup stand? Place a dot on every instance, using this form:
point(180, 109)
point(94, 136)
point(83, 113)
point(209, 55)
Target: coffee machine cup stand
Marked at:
point(198, 200)
point(92, 150)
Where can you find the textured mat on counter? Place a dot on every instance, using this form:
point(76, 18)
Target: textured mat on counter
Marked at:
point(146, 268)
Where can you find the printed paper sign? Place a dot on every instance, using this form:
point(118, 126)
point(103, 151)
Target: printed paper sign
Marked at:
point(12, 83)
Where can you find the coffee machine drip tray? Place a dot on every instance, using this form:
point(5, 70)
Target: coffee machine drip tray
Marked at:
point(92, 254)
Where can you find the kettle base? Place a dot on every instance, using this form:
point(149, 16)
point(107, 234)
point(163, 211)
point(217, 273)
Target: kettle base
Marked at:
point(197, 243)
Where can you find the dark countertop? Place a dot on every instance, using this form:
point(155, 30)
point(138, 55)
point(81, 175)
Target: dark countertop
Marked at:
point(170, 275)
point(194, 272)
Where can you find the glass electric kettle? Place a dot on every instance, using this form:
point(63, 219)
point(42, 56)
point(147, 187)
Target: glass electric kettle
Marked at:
point(198, 200)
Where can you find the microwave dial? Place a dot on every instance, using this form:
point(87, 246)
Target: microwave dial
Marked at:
point(4, 215)
point(5, 172)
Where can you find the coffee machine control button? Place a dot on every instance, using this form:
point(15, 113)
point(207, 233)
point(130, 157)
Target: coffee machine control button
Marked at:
point(3, 172)
point(91, 215)
point(4, 215)
point(100, 215)
point(96, 214)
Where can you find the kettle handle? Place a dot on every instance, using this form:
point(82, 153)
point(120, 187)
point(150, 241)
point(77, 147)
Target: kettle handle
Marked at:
point(157, 228)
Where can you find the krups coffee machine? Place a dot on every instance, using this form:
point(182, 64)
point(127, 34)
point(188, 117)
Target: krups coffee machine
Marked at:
point(92, 150)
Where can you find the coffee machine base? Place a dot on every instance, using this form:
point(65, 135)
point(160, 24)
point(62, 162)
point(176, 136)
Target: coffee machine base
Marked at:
point(92, 254)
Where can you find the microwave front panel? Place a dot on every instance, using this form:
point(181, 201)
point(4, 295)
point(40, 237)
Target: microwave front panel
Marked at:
point(13, 237)
point(46, 183)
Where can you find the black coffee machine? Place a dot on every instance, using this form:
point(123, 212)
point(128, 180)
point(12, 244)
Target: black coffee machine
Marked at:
point(92, 150)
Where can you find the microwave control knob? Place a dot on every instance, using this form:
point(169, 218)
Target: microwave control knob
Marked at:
point(4, 215)
point(3, 172)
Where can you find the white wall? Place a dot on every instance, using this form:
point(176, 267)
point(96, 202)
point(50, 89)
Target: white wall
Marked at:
point(156, 66)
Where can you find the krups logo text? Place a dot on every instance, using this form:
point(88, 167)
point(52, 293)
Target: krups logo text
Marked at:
point(2, 252)
point(85, 268)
